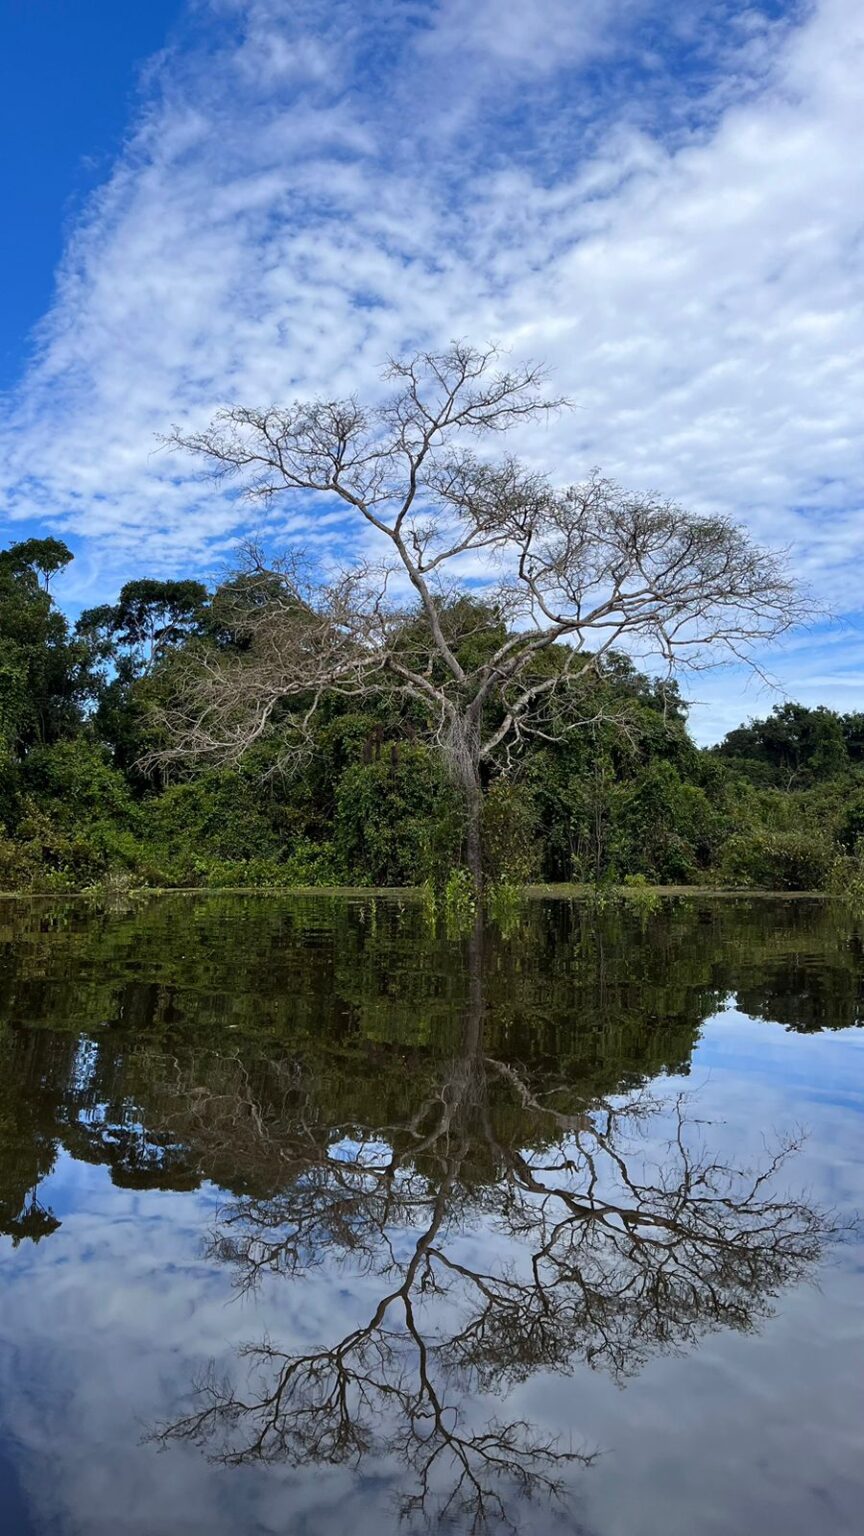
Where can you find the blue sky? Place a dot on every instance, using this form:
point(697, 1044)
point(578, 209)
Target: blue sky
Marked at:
point(68, 85)
point(245, 200)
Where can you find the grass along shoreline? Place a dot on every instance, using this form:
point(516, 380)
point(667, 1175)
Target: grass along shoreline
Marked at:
point(560, 891)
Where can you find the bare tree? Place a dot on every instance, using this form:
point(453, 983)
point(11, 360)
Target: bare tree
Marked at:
point(569, 575)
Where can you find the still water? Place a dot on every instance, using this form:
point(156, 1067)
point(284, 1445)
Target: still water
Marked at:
point(318, 1218)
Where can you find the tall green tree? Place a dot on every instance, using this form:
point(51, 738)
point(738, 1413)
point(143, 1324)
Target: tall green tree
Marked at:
point(131, 638)
point(45, 672)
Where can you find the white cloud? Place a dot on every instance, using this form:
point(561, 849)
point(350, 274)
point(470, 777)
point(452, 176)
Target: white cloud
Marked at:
point(676, 229)
point(529, 38)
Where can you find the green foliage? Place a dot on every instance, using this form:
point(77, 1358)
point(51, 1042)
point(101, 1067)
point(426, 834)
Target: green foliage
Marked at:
point(851, 823)
point(505, 905)
point(625, 797)
point(794, 746)
point(396, 819)
point(77, 780)
point(640, 894)
point(778, 861)
point(222, 812)
point(846, 881)
point(149, 615)
point(511, 849)
point(459, 901)
point(307, 864)
point(45, 556)
point(45, 675)
point(20, 863)
point(58, 857)
point(668, 828)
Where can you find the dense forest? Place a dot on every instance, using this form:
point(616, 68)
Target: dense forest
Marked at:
point(367, 1004)
point(779, 803)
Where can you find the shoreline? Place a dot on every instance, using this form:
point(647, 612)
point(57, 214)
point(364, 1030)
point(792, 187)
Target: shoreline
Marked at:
point(552, 892)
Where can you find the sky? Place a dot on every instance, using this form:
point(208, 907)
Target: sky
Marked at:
point(250, 200)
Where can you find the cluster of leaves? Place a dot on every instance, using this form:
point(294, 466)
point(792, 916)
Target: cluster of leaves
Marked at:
point(625, 795)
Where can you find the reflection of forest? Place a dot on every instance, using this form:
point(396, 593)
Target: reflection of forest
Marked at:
point(467, 1127)
point(106, 1014)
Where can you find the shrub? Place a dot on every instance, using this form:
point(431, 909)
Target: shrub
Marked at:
point(50, 857)
point(218, 816)
point(305, 864)
point(20, 864)
point(846, 881)
point(851, 828)
point(782, 861)
point(397, 819)
point(76, 821)
point(75, 784)
point(667, 829)
point(511, 848)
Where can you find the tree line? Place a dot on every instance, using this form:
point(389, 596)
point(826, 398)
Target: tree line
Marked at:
point(486, 683)
point(88, 791)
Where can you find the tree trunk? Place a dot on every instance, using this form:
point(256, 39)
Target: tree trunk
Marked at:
point(462, 751)
point(473, 832)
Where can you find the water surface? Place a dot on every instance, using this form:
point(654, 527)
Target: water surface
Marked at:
point(315, 1217)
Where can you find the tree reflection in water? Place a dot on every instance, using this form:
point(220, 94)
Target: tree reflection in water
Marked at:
point(514, 1226)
